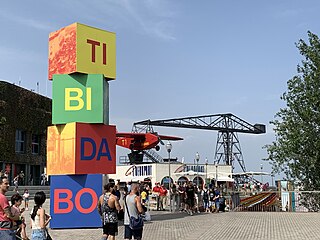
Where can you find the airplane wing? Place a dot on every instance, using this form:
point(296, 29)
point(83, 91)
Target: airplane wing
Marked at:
point(131, 135)
point(172, 138)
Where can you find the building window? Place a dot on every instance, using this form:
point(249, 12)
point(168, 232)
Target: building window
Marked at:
point(20, 141)
point(35, 144)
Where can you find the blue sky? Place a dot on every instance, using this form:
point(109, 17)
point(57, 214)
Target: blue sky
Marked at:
point(174, 59)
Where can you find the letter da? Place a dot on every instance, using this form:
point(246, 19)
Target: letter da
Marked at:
point(104, 145)
point(83, 145)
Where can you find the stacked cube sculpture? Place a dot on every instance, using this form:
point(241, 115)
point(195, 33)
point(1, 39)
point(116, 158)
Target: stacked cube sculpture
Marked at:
point(81, 145)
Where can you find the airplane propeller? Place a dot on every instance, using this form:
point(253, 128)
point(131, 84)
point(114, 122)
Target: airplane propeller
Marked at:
point(162, 143)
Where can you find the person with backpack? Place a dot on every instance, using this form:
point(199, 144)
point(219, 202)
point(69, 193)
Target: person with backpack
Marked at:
point(133, 209)
point(205, 198)
point(108, 207)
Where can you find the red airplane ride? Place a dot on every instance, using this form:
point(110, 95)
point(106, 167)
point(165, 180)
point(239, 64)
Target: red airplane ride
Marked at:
point(142, 141)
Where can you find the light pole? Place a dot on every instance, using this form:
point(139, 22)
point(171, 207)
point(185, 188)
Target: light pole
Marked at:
point(197, 159)
point(206, 170)
point(272, 176)
point(261, 167)
point(216, 178)
point(169, 148)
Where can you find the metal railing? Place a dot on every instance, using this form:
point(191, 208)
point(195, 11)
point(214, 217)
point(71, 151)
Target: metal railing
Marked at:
point(275, 201)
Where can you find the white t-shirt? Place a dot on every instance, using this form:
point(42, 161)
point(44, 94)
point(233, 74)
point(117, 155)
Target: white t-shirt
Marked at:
point(26, 195)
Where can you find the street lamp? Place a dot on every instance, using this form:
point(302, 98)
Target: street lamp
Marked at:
point(206, 169)
point(216, 178)
point(169, 148)
point(197, 159)
point(261, 167)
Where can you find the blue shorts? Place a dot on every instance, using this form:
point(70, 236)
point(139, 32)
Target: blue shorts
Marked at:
point(38, 234)
point(128, 233)
point(7, 234)
point(217, 205)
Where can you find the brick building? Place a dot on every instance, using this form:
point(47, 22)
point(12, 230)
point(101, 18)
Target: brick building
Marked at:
point(24, 118)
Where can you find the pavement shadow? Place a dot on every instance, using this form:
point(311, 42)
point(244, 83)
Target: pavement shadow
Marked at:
point(167, 216)
point(162, 216)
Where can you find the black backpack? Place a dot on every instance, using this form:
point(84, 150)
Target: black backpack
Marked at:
point(205, 195)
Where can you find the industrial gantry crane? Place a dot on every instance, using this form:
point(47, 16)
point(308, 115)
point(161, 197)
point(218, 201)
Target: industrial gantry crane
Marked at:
point(228, 148)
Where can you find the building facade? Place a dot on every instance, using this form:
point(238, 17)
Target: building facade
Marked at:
point(179, 172)
point(24, 118)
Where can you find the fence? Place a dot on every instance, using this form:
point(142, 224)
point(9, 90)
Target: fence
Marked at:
point(275, 201)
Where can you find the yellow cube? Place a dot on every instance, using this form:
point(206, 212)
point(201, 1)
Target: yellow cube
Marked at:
point(83, 49)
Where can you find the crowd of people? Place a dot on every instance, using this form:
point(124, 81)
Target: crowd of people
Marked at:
point(20, 179)
point(132, 201)
point(128, 203)
point(110, 208)
point(13, 223)
point(188, 197)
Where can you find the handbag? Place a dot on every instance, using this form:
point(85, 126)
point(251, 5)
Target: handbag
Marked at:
point(121, 215)
point(147, 216)
point(134, 223)
point(48, 235)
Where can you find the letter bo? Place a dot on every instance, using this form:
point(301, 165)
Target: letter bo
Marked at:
point(74, 199)
point(81, 148)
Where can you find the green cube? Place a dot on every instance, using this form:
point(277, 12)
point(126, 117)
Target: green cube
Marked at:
point(80, 98)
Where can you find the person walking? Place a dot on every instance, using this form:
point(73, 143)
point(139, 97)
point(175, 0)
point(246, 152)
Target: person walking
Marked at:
point(217, 199)
point(132, 208)
point(16, 183)
point(163, 197)
point(108, 207)
point(156, 191)
point(39, 218)
point(174, 197)
point(190, 198)
point(21, 178)
point(182, 196)
point(6, 217)
point(205, 198)
point(26, 196)
point(43, 179)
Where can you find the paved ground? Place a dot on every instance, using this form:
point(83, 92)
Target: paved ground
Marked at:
point(205, 226)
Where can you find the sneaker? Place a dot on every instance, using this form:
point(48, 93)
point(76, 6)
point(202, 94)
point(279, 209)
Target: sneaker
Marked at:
point(27, 209)
point(191, 213)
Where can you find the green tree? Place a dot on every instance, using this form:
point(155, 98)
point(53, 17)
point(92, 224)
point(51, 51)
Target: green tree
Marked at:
point(296, 150)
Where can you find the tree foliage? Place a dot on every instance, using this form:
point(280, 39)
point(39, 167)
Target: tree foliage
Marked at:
point(296, 150)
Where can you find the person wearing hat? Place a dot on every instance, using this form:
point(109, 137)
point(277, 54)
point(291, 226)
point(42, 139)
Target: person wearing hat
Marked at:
point(156, 191)
point(163, 197)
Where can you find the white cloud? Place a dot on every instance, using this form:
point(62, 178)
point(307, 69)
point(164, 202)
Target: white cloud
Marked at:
point(149, 17)
point(287, 13)
point(26, 21)
point(153, 16)
point(12, 54)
